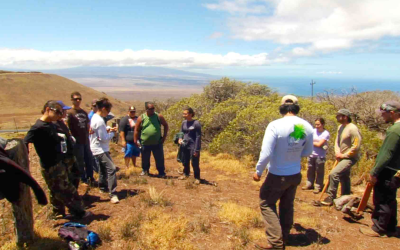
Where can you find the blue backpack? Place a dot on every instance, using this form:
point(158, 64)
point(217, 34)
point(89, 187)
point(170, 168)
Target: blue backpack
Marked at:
point(78, 236)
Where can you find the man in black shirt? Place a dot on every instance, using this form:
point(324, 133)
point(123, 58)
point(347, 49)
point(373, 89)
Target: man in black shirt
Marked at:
point(78, 123)
point(52, 153)
point(126, 131)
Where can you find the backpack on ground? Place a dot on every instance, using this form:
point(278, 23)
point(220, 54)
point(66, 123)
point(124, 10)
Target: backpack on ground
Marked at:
point(78, 236)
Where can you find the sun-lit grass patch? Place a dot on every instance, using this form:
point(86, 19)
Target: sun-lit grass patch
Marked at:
point(165, 232)
point(239, 215)
point(308, 221)
point(153, 198)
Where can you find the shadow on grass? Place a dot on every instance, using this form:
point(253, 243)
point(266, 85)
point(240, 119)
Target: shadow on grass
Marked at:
point(88, 200)
point(306, 237)
point(127, 193)
point(43, 243)
point(87, 220)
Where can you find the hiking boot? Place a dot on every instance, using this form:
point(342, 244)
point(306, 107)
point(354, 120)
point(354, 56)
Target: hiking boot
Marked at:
point(144, 173)
point(72, 216)
point(197, 182)
point(307, 187)
point(265, 246)
point(163, 176)
point(183, 177)
point(317, 191)
point(371, 233)
point(114, 199)
point(328, 201)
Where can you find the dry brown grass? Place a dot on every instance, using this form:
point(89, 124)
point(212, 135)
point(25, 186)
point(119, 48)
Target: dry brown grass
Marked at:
point(241, 216)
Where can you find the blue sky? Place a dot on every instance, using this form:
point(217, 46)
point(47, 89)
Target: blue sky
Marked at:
point(280, 38)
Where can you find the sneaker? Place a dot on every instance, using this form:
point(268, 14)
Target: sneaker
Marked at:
point(197, 182)
point(144, 173)
point(183, 177)
point(371, 233)
point(307, 187)
point(114, 199)
point(328, 201)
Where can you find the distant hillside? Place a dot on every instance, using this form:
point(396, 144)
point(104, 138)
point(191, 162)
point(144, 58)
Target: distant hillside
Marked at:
point(25, 94)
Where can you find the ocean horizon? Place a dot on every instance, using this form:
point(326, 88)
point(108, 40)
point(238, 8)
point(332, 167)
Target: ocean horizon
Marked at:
point(301, 86)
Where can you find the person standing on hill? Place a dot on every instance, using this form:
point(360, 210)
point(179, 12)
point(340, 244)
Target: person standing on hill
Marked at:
point(126, 132)
point(100, 137)
point(52, 151)
point(286, 140)
point(316, 161)
point(148, 128)
point(70, 160)
point(385, 176)
point(78, 123)
point(347, 149)
point(190, 145)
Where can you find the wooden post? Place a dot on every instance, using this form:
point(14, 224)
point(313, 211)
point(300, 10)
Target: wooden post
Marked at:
point(22, 209)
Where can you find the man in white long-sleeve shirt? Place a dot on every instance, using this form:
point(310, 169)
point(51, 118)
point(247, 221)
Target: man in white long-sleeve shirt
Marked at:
point(286, 140)
point(100, 137)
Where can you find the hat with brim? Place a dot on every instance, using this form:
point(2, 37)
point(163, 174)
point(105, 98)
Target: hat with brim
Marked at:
point(64, 107)
point(389, 106)
point(345, 112)
point(131, 108)
point(289, 99)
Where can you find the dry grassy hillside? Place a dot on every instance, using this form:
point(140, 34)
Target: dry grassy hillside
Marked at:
point(22, 96)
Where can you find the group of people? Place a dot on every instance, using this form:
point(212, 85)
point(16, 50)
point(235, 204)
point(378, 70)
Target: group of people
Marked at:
point(290, 138)
point(72, 144)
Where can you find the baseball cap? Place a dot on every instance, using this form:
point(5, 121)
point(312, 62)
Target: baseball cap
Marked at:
point(345, 112)
point(131, 108)
point(390, 106)
point(289, 99)
point(64, 107)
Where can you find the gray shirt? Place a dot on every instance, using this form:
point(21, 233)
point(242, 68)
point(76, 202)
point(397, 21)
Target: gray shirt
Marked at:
point(192, 131)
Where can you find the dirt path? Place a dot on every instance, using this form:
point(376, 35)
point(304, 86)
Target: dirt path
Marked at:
point(190, 217)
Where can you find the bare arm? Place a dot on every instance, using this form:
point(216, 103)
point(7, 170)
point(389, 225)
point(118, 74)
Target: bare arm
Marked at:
point(138, 127)
point(122, 136)
point(320, 143)
point(165, 124)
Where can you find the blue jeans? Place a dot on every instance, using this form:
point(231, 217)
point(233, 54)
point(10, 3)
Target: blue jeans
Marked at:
point(158, 153)
point(84, 158)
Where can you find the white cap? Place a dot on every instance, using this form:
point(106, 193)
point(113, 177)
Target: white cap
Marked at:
point(289, 99)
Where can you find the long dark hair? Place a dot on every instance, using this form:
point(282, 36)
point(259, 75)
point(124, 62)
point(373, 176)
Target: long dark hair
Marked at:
point(103, 103)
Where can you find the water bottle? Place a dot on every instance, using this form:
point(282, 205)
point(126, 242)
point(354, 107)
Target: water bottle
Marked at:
point(63, 143)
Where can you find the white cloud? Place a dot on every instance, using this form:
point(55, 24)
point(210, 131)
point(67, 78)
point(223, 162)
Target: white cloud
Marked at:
point(238, 6)
point(216, 35)
point(318, 26)
point(35, 59)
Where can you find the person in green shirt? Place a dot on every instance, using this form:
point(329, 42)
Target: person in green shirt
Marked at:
point(148, 128)
point(387, 163)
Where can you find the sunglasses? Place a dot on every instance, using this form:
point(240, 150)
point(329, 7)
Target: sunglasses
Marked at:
point(132, 111)
point(151, 108)
point(77, 99)
point(57, 111)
